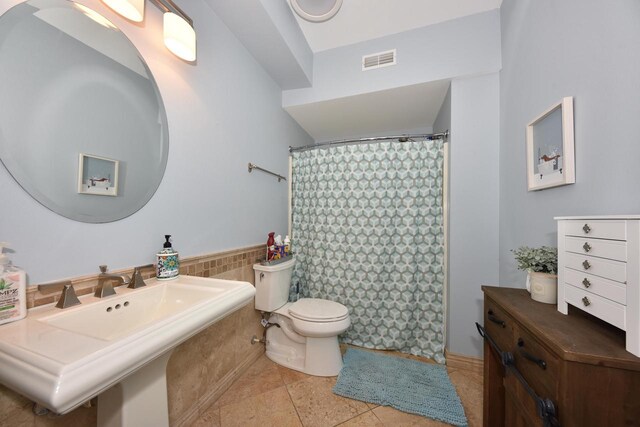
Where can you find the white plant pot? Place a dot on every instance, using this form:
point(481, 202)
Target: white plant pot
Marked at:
point(543, 287)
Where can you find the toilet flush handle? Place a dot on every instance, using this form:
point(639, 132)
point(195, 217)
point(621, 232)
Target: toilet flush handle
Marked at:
point(261, 276)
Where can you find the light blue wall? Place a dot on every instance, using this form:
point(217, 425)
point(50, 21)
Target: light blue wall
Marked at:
point(443, 120)
point(460, 47)
point(551, 49)
point(473, 215)
point(223, 113)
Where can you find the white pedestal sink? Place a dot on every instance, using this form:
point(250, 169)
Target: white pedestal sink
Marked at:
point(117, 347)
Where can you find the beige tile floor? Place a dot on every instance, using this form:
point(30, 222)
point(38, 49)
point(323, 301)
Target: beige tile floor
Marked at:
point(271, 395)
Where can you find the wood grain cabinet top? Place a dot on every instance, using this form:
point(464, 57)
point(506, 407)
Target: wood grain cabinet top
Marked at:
point(577, 361)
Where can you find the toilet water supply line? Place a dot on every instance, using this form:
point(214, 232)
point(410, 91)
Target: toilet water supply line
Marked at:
point(284, 327)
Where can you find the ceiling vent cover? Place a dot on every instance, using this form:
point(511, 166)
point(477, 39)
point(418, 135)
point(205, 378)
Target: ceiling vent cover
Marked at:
point(378, 60)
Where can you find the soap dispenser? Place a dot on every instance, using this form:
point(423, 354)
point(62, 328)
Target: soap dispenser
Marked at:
point(13, 283)
point(168, 266)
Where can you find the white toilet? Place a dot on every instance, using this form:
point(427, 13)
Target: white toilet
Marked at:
point(307, 337)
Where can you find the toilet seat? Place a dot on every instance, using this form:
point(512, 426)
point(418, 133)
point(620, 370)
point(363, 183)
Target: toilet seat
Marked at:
point(318, 310)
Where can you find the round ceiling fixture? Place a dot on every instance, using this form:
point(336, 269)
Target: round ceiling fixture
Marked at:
point(316, 10)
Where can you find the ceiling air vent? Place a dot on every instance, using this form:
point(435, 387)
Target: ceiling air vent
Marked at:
point(377, 60)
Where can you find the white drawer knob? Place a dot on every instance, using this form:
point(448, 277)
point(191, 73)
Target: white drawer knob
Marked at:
point(586, 228)
point(586, 247)
point(586, 282)
point(586, 264)
point(586, 301)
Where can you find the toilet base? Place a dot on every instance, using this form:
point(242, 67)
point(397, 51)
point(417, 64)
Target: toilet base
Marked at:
point(313, 356)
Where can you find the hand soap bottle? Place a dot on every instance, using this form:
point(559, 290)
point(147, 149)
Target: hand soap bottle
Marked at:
point(13, 283)
point(168, 266)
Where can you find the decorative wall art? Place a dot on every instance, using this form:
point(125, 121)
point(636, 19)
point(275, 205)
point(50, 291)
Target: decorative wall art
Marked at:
point(97, 175)
point(550, 147)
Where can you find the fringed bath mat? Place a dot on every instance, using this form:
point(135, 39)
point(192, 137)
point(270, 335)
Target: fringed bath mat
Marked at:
point(407, 385)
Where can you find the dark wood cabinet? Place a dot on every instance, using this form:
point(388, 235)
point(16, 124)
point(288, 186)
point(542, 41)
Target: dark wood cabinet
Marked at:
point(578, 363)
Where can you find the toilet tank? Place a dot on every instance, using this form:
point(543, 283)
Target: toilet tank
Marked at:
point(272, 285)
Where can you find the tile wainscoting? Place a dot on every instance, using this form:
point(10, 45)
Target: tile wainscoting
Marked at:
point(200, 370)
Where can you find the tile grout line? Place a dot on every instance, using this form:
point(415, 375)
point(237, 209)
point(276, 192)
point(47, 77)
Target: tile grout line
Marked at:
point(286, 387)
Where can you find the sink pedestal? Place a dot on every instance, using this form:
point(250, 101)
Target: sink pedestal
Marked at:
point(139, 400)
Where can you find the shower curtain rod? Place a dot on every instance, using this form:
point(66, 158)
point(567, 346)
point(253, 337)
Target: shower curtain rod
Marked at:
point(401, 138)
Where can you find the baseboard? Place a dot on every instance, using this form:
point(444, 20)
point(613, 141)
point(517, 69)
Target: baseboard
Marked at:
point(460, 361)
point(189, 417)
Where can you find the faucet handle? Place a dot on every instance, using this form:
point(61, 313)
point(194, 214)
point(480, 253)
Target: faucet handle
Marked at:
point(103, 269)
point(68, 297)
point(136, 279)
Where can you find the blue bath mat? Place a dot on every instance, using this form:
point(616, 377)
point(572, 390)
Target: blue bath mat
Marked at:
point(407, 385)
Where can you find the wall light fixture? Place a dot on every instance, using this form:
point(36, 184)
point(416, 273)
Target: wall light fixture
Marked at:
point(179, 35)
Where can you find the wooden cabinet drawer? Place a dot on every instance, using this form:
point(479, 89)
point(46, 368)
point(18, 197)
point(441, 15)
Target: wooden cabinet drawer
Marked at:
point(613, 270)
point(499, 325)
point(537, 365)
point(598, 306)
point(611, 249)
point(520, 409)
point(609, 289)
point(599, 229)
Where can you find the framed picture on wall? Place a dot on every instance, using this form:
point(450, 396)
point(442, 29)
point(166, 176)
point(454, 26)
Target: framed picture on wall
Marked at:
point(550, 147)
point(97, 175)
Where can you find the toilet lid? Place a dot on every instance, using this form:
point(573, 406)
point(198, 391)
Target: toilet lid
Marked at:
point(315, 309)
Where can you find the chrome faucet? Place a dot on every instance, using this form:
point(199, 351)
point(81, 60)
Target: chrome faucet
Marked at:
point(105, 286)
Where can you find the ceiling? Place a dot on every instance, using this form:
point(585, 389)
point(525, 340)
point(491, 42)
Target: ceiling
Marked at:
point(285, 45)
point(360, 20)
point(407, 109)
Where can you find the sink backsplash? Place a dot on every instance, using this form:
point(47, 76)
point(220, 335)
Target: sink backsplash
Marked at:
point(200, 370)
point(210, 265)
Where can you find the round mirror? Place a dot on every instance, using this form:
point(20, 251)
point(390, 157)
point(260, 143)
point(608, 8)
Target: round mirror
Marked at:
point(82, 124)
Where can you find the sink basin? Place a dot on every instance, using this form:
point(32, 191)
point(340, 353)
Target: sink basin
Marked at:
point(62, 358)
point(117, 317)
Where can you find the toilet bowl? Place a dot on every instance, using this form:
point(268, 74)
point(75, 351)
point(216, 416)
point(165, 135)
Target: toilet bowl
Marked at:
point(302, 335)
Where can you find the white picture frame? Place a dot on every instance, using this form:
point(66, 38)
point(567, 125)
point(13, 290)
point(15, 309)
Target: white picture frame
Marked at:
point(550, 147)
point(97, 176)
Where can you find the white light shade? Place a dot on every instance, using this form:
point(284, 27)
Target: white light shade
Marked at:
point(179, 37)
point(130, 9)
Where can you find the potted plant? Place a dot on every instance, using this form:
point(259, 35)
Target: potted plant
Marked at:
point(541, 265)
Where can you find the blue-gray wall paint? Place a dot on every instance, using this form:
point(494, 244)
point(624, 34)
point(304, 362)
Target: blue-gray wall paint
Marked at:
point(473, 215)
point(443, 120)
point(460, 47)
point(268, 29)
point(223, 113)
point(551, 49)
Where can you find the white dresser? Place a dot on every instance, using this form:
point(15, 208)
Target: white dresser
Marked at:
point(599, 270)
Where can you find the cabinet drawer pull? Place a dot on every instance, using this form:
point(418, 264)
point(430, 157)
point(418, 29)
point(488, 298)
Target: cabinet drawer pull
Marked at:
point(540, 362)
point(586, 264)
point(586, 301)
point(586, 228)
point(494, 319)
point(586, 247)
point(586, 282)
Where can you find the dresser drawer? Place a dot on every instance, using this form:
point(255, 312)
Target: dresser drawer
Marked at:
point(520, 409)
point(599, 229)
point(613, 270)
point(611, 249)
point(598, 306)
point(537, 365)
point(499, 325)
point(609, 289)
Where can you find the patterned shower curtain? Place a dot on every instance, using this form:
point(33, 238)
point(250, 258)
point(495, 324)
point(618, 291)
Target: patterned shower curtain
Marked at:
point(368, 233)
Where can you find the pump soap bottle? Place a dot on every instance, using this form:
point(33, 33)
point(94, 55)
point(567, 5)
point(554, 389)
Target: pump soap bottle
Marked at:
point(168, 266)
point(13, 283)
